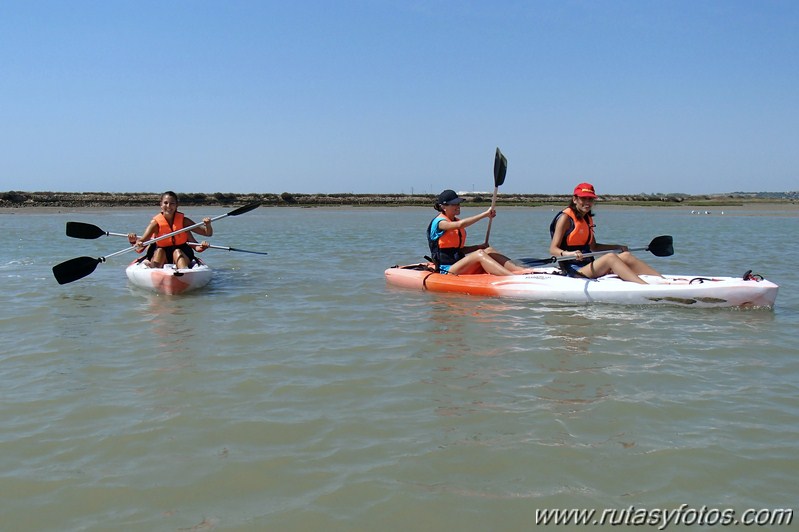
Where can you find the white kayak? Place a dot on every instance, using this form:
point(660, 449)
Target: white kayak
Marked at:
point(169, 279)
point(548, 284)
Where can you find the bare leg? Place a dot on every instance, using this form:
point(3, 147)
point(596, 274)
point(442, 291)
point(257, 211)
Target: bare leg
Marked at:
point(159, 258)
point(505, 262)
point(180, 259)
point(476, 261)
point(637, 265)
point(611, 263)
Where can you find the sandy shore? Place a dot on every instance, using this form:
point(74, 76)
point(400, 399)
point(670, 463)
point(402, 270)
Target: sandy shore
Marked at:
point(79, 200)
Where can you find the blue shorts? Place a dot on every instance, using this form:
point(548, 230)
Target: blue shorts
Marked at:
point(572, 269)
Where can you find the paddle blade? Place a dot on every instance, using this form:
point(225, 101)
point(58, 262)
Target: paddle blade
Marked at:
point(74, 269)
point(246, 208)
point(500, 168)
point(82, 230)
point(662, 246)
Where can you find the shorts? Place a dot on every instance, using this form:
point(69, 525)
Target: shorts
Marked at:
point(170, 251)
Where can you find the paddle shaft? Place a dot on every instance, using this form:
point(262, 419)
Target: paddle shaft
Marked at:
point(491, 218)
point(660, 246)
point(240, 210)
point(598, 253)
point(109, 233)
point(551, 260)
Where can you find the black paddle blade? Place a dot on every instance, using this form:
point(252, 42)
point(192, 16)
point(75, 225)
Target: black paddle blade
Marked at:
point(82, 230)
point(246, 208)
point(74, 269)
point(662, 246)
point(500, 168)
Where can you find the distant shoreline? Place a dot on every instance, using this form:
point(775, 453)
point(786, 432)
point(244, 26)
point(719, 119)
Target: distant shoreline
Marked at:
point(17, 200)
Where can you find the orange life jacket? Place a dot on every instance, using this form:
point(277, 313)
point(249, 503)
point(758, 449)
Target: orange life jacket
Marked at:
point(580, 236)
point(164, 229)
point(447, 249)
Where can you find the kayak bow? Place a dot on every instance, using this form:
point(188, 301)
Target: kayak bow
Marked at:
point(169, 280)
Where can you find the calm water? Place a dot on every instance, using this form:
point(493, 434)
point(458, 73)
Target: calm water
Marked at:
point(298, 392)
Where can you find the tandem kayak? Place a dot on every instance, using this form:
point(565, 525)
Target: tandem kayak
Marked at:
point(548, 284)
point(169, 280)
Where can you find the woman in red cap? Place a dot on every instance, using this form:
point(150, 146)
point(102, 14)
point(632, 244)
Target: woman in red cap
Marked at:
point(572, 233)
point(446, 236)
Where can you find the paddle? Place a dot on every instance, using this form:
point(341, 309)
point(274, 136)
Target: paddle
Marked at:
point(80, 267)
point(87, 231)
point(237, 249)
point(500, 168)
point(661, 246)
point(90, 232)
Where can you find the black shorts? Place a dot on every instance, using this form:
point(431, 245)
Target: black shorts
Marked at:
point(170, 251)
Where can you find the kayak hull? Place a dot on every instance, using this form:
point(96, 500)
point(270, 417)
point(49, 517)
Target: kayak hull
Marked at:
point(169, 280)
point(547, 284)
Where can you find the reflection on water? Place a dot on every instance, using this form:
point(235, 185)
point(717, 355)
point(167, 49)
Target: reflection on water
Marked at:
point(575, 376)
point(167, 321)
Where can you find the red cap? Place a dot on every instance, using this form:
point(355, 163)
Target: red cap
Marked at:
point(585, 190)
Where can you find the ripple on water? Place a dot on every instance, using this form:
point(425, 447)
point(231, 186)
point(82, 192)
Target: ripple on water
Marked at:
point(300, 393)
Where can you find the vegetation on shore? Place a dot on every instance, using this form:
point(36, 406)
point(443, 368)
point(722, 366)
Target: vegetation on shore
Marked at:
point(16, 199)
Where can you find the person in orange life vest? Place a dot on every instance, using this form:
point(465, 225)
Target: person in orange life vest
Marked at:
point(177, 250)
point(446, 236)
point(572, 232)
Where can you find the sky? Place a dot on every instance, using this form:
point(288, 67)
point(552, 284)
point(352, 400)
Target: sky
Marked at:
point(392, 96)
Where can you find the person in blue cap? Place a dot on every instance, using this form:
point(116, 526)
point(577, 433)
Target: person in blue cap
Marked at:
point(446, 236)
